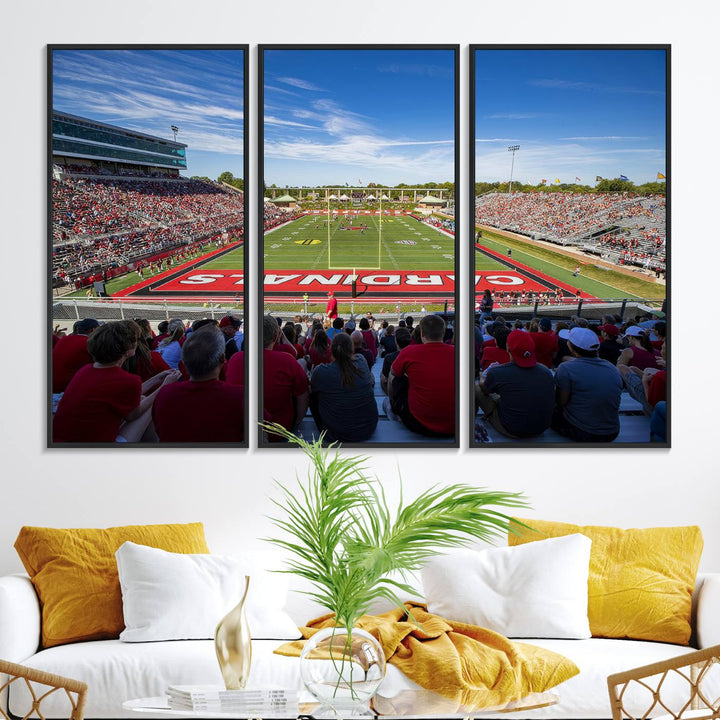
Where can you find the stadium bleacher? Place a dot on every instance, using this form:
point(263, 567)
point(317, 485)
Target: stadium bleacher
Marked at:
point(387, 430)
point(621, 227)
point(100, 222)
point(634, 427)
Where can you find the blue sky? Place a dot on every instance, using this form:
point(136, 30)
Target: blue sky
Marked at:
point(358, 116)
point(574, 113)
point(200, 91)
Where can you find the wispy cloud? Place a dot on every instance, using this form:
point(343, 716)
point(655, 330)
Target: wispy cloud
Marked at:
point(299, 83)
point(271, 120)
point(275, 88)
point(348, 138)
point(536, 160)
point(377, 126)
point(560, 84)
point(200, 92)
point(370, 154)
point(417, 69)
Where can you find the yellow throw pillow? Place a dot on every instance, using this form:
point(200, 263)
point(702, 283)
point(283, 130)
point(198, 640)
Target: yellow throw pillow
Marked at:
point(75, 574)
point(641, 580)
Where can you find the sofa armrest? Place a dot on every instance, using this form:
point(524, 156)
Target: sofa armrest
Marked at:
point(708, 610)
point(19, 618)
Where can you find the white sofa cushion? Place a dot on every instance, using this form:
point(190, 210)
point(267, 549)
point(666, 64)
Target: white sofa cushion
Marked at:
point(176, 596)
point(19, 618)
point(708, 617)
point(117, 671)
point(540, 591)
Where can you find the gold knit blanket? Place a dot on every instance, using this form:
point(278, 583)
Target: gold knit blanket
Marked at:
point(469, 665)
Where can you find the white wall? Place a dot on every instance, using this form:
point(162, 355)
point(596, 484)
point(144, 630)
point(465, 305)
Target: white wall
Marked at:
point(228, 490)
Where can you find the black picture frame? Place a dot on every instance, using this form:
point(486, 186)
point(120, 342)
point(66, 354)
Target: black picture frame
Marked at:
point(494, 439)
point(51, 51)
point(376, 440)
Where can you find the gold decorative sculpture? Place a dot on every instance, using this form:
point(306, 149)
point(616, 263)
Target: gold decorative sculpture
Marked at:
point(233, 646)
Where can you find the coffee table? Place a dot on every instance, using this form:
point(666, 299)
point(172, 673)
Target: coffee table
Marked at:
point(406, 705)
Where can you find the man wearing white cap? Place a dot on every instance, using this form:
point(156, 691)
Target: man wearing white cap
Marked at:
point(588, 392)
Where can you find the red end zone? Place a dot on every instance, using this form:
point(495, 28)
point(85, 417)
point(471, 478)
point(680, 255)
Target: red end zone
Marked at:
point(289, 281)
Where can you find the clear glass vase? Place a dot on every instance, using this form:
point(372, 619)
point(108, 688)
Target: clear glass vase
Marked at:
point(342, 670)
point(233, 645)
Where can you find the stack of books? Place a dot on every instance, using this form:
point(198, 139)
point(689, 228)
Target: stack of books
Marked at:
point(259, 701)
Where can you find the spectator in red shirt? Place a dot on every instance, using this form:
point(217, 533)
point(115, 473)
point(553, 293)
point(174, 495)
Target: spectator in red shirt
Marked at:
point(291, 334)
point(70, 353)
point(229, 326)
point(332, 306)
point(639, 353)
point(497, 355)
point(103, 402)
point(358, 345)
point(162, 334)
point(204, 409)
point(145, 362)
point(368, 336)
point(546, 342)
point(422, 382)
point(285, 383)
point(58, 332)
point(647, 386)
point(318, 352)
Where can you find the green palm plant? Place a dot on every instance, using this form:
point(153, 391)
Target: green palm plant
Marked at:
point(344, 538)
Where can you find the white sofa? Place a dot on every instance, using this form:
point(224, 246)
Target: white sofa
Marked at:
point(117, 671)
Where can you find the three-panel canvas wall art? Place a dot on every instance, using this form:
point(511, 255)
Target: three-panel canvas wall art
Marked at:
point(388, 289)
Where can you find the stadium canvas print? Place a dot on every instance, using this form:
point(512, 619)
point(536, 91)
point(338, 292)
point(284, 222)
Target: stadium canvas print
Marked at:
point(570, 213)
point(357, 186)
point(147, 161)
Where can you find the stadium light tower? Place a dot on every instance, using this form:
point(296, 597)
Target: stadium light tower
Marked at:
point(512, 149)
point(175, 130)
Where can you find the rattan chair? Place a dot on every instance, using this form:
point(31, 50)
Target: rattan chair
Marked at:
point(41, 685)
point(692, 679)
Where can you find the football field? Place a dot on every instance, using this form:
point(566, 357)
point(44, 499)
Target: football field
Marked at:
point(362, 242)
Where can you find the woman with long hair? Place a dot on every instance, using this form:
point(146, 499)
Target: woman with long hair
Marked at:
point(145, 362)
point(316, 325)
point(171, 347)
point(341, 395)
point(319, 350)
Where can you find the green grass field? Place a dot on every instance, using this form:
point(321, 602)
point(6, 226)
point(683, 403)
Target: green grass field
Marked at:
point(598, 281)
point(400, 243)
point(232, 260)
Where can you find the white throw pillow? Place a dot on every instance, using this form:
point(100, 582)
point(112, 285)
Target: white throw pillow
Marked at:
point(176, 596)
point(536, 590)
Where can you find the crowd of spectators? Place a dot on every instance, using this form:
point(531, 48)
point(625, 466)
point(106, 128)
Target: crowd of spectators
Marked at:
point(641, 247)
point(570, 376)
point(581, 218)
point(274, 215)
point(100, 223)
point(327, 364)
point(119, 382)
point(98, 206)
point(438, 222)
